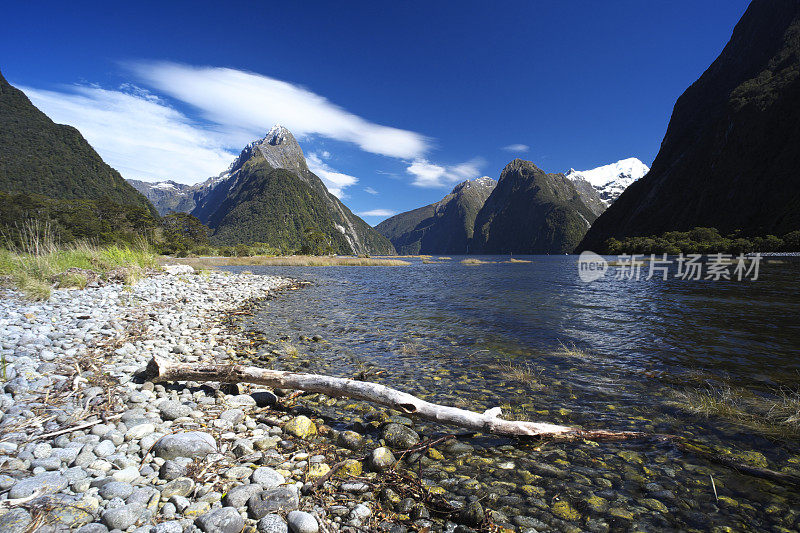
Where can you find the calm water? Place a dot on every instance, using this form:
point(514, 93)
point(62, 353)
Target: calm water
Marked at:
point(451, 332)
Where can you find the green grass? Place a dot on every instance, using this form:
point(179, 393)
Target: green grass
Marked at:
point(73, 280)
point(33, 264)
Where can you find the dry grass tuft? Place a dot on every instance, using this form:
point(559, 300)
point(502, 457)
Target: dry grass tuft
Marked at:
point(38, 258)
point(774, 413)
point(525, 373)
point(571, 350)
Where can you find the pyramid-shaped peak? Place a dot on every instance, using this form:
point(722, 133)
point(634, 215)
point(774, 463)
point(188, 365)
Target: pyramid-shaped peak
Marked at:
point(279, 135)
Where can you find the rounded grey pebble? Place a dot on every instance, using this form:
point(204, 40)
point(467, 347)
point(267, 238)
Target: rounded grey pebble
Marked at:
point(302, 522)
point(93, 528)
point(267, 477)
point(272, 523)
point(173, 526)
point(224, 520)
point(124, 516)
point(116, 489)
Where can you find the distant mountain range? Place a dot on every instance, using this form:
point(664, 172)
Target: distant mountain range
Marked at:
point(730, 158)
point(168, 196)
point(268, 195)
point(38, 156)
point(444, 227)
point(529, 212)
point(532, 212)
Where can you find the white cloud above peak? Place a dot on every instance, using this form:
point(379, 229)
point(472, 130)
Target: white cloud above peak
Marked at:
point(244, 101)
point(377, 213)
point(517, 148)
point(430, 175)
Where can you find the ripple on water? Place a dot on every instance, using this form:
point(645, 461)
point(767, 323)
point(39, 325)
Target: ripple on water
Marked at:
point(494, 335)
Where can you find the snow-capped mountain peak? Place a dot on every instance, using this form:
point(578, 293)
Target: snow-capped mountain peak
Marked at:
point(612, 179)
point(277, 135)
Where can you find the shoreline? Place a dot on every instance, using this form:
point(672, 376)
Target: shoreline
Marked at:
point(84, 446)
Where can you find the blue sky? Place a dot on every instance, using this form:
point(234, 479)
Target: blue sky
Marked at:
point(392, 102)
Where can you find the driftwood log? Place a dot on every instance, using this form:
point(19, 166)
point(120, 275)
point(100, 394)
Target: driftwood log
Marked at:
point(159, 370)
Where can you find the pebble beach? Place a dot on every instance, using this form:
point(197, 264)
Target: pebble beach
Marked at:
point(86, 446)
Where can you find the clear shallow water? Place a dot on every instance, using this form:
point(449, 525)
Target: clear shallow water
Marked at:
point(449, 332)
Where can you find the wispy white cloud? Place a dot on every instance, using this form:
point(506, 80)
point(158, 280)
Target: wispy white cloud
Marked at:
point(148, 134)
point(377, 213)
point(518, 148)
point(427, 174)
point(136, 132)
point(240, 101)
point(335, 181)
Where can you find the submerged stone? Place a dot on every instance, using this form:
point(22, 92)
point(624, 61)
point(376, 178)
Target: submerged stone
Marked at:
point(565, 511)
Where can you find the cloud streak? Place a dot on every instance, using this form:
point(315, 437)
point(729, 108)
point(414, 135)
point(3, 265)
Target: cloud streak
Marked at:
point(377, 213)
point(335, 181)
point(518, 148)
point(136, 132)
point(242, 102)
point(148, 133)
point(431, 175)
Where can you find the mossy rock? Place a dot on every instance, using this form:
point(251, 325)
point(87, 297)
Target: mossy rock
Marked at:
point(752, 458)
point(619, 512)
point(317, 470)
point(435, 454)
point(301, 427)
point(725, 501)
point(654, 505)
point(631, 457)
point(565, 511)
point(351, 468)
point(596, 504)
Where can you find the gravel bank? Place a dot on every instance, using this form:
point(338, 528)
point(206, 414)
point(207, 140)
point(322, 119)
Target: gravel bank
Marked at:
point(83, 446)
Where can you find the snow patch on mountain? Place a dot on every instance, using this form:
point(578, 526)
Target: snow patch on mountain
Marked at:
point(612, 179)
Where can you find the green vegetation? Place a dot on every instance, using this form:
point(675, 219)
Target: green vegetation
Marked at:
point(37, 262)
point(443, 227)
point(101, 221)
point(702, 241)
point(315, 243)
point(729, 157)
point(40, 157)
point(531, 212)
point(288, 260)
point(289, 212)
point(183, 234)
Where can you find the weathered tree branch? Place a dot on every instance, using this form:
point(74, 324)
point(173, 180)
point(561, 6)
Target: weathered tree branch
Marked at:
point(160, 369)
